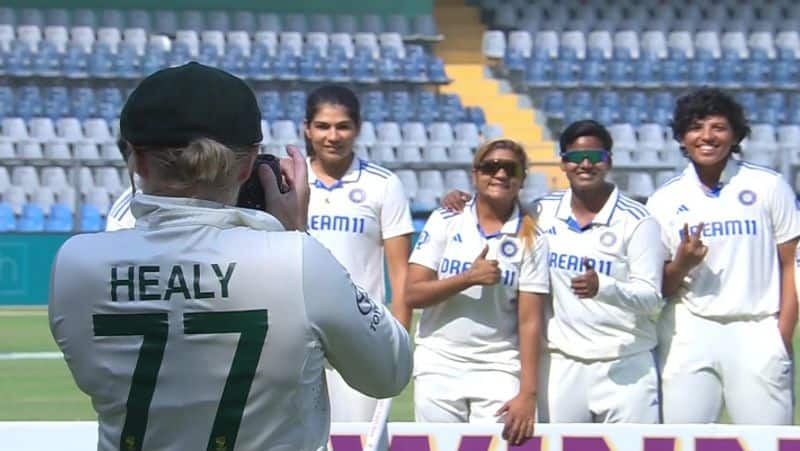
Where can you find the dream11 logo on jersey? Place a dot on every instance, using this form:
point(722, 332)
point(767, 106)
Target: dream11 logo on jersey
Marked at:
point(489, 443)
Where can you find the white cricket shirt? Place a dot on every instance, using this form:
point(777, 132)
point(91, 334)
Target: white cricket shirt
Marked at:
point(475, 329)
point(353, 216)
point(622, 244)
point(744, 219)
point(204, 311)
point(119, 215)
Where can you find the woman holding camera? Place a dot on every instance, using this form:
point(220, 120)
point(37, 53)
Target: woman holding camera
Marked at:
point(208, 326)
point(360, 212)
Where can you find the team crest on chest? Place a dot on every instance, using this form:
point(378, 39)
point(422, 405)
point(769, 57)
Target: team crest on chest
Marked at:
point(747, 197)
point(608, 239)
point(357, 195)
point(509, 248)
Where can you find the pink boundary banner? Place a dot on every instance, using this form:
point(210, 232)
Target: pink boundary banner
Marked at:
point(81, 436)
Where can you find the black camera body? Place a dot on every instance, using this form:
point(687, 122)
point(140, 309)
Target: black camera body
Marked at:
point(251, 195)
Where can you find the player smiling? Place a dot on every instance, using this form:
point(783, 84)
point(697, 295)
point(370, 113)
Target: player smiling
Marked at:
point(731, 231)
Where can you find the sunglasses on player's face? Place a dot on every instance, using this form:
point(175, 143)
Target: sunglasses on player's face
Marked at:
point(593, 155)
point(490, 167)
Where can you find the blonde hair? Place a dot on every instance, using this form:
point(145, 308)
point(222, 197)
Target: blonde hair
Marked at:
point(527, 228)
point(204, 169)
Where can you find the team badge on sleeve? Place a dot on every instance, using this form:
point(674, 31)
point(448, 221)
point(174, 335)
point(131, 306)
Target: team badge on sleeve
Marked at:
point(747, 197)
point(357, 195)
point(509, 248)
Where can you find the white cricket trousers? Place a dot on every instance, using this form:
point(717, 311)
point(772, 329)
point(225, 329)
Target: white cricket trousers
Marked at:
point(347, 403)
point(741, 363)
point(465, 397)
point(623, 390)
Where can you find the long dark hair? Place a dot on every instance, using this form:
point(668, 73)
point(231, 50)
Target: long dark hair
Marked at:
point(332, 95)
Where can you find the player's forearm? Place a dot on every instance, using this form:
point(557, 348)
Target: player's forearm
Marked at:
point(421, 294)
point(530, 333)
point(673, 278)
point(638, 295)
point(787, 316)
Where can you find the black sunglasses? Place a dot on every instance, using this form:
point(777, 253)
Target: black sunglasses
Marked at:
point(593, 155)
point(511, 167)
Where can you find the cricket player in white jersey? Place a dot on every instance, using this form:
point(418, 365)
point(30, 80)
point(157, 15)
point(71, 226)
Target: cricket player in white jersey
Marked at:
point(481, 279)
point(731, 231)
point(207, 326)
point(605, 277)
point(360, 212)
point(605, 274)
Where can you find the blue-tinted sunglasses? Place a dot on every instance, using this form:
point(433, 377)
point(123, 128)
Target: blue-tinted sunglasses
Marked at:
point(593, 155)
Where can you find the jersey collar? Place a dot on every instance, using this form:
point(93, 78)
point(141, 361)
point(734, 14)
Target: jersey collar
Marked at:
point(161, 211)
point(728, 172)
point(510, 227)
point(564, 210)
point(352, 175)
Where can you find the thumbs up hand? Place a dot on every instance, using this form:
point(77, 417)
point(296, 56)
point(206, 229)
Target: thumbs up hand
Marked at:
point(586, 284)
point(483, 271)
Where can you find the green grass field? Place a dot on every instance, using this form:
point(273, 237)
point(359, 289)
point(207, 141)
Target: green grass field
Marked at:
point(42, 389)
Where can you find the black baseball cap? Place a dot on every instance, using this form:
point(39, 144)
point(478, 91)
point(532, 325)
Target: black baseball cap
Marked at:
point(174, 106)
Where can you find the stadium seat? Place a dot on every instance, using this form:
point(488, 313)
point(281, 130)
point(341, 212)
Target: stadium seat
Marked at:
point(346, 23)
point(5, 179)
point(434, 154)
point(409, 181)
point(654, 42)
point(8, 222)
point(90, 219)
point(600, 39)
point(58, 36)
point(425, 200)
point(389, 133)
point(30, 150)
point(59, 220)
point(7, 151)
point(547, 42)
point(31, 219)
point(15, 197)
point(640, 184)
point(457, 179)
point(54, 177)
point(44, 197)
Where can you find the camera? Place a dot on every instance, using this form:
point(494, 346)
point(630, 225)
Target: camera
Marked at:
point(251, 195)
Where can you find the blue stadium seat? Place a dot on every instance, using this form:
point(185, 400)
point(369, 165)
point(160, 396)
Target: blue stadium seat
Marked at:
point(31, 16)
point(364, 68)
point(8, 16)
point(754, 74)
point(90, 219)
point(620, 73)
point(436, 72)
point(218, 20)
point(537, 73)
point(259, 65)
point(647, 73)
point(295, 22)
point(59, 220)
point(700, 72)
point(310, 66)
point(84, 18)
point(113, 18)
point(605, 115)
point(46, 62)
point(166, 22)
point(244, 21)
point(74, 62)
point(285, 65)
point(192, 20)
point(18, 60)
point(56, 102)
point(32, 219)
point(592, 73)
point(337, 66)
point(8, 222)
point(631, 115)
point(139, 19)
point(784, 73)
point(673, 73)
point(564, 73)
point(476, 115)
point(100, 63)
point(554, 103)
point(322, 23)
point(389, 68)
point(728, 75)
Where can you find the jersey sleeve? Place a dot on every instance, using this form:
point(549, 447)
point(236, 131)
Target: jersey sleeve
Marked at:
point(642, 291)
point(430, 245)
point(360, 338)
point(785, 212)
point(534, 275)
point(395, 213)
point(655, 205)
